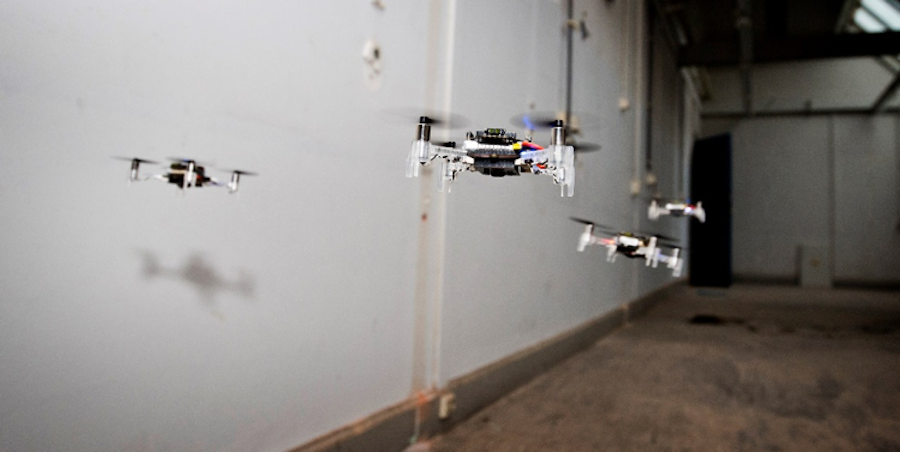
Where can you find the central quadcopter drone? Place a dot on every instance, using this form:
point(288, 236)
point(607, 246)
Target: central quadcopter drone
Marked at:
point(185, 173)
point(495, 152)
point(631, 246)
point(676, 209)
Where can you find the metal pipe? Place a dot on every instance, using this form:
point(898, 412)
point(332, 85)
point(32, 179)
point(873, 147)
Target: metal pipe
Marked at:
point(744, 26)
point(639, 99)
point(624, 57)
point(571, 17)
point(651, 31)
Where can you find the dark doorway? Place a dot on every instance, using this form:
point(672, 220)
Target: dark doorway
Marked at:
point(710, 257)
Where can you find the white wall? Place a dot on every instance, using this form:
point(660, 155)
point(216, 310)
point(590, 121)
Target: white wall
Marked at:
point(296, 306)
point(867, 200)
point(827, 181)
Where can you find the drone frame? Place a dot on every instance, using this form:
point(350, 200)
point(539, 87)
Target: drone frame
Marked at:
point(642, 247)
point(676, 209)
point(189, 175)
point(557, 160)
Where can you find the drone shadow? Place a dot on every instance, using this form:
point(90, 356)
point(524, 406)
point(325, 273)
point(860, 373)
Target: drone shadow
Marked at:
point(198, 273)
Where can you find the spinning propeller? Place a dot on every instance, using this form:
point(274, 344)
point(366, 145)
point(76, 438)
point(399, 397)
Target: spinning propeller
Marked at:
point(661, 240)
point(546, 120)
point(135, 165)
point(406, 115)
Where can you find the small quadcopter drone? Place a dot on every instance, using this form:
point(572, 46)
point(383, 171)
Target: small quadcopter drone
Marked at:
point(185, 173)
point(631, 246)
point(495, 152)
point(676, 209)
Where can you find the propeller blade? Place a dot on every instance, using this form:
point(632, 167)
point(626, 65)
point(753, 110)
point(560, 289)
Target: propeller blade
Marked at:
point(597, 226)
point(535, 120)
point(132, 159)
point(187, 160)
point(407, 115)
point(581, 220)
point(539, 120)
point(586, 147)
point(666, 241)
point(664, 237)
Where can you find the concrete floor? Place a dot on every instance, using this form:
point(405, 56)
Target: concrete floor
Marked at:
point(747, 368)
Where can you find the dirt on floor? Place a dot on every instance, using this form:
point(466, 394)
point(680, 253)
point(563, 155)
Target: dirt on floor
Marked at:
point(748, 368)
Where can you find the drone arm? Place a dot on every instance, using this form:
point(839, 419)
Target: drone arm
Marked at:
point(611, 253)
point(135, 176)
point(653, 210)
point(534, 156)
point(233, 184)
point(587, 237)
point(677, 267)
point(190, 175)
point(674, 262)
point(650, 252)
point(446, 152)
point(562, 164)
point(162, 177)
point(422, 152)
point(654, 261)
point(419, 154)
point(661, 210)
point(699, 212)
point(562, 161)
point(558, 160)
point(449, 169)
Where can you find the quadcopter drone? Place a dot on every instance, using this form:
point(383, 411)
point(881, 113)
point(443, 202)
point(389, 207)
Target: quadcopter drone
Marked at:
point(676, 209)
point(631, 246)
point(185, 173)
point(495, 152)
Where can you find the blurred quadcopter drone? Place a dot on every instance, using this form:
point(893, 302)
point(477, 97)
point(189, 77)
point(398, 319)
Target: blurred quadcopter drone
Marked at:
point(185, 173)
point(495, 152)
point(676, 209)
point(631, 246)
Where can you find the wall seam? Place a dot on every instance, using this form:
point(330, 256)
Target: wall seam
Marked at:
point(832, 198)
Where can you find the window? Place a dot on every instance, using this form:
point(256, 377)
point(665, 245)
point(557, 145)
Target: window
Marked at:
point(877, 16)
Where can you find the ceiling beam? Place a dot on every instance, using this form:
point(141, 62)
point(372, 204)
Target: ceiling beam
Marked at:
point(846, 16)
point(728, 53)
point(799, 113)
point(886, 95)
point(744, 27)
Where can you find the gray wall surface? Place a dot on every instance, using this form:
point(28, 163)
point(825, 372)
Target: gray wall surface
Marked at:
point(867, 200)
point(828, 182)
point(849, 83)
point(133, 318)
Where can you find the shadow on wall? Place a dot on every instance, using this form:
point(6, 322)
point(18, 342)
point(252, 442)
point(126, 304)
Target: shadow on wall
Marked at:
point(200, 274)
